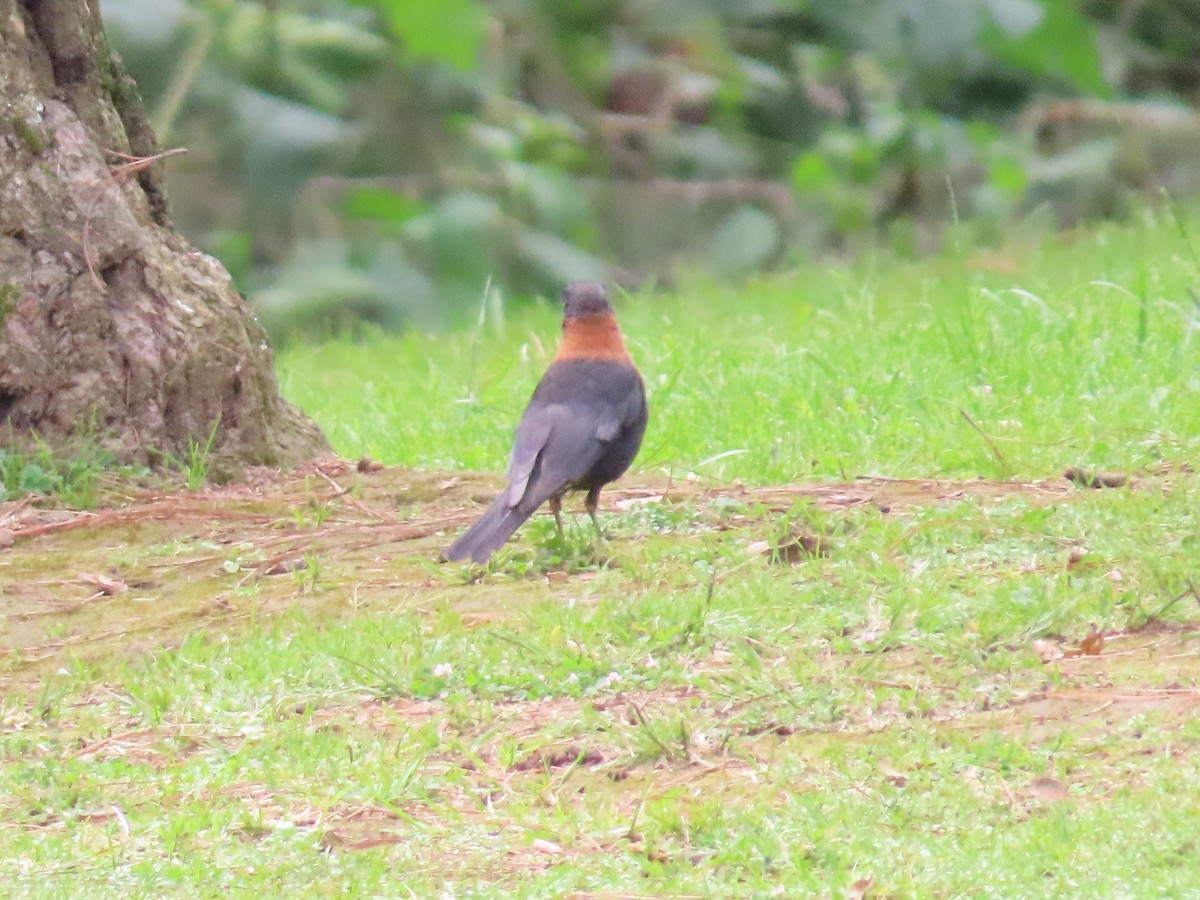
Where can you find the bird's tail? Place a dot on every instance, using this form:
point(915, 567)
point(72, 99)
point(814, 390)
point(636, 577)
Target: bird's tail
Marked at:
point(487, 535)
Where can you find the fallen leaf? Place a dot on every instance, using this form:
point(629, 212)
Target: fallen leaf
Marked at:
point(1092, 644)
point(1048, 789)
point(283, 566)
point(542, 846)
point(366, 465)
point(658, 856)
point(110, 587)
point(1083, 478)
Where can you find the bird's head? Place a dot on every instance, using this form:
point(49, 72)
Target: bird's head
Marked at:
point(589, 327)
point(585, 298)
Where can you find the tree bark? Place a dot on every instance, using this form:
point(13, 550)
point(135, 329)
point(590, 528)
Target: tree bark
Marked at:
point(113, 328)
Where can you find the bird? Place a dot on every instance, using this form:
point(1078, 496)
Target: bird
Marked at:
point(580, 431)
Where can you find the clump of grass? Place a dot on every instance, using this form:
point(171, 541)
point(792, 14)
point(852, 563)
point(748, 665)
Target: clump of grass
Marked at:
point(73, 477)
point(195, 464)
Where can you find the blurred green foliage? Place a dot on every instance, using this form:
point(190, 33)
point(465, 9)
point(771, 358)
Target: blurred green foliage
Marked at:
point(382, 160)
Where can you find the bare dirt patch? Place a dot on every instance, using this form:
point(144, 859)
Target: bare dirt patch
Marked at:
point(334, 537)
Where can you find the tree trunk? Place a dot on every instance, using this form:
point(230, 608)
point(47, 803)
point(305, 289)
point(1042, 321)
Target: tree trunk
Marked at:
point(112, 328)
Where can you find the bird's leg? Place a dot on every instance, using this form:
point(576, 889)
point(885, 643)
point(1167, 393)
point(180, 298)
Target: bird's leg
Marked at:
point(591, 502)
point(556, 508)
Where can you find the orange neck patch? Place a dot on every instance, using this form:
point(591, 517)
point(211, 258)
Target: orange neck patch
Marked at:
point(592, 337)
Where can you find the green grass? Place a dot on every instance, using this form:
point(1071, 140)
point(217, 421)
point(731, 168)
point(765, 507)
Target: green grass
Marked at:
point(1082, 351)
point(677, 710)
point(75, 479)
point(690, 717)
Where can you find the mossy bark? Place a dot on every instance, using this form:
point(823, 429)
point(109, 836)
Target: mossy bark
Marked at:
point(112, 327)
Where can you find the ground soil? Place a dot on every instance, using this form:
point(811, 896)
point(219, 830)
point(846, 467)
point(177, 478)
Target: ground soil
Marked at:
point(157, 564)
point(334, 539)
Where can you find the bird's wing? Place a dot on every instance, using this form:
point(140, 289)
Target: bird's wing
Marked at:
point(557, 444)
point(623, 416)
point(532, 433)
